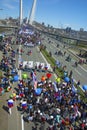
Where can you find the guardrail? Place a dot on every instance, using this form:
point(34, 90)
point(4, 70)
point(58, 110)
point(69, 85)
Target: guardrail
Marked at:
point(8, 26)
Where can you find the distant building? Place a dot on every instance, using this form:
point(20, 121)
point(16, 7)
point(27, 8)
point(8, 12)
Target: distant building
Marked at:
point(81, 30)
point(68, 29)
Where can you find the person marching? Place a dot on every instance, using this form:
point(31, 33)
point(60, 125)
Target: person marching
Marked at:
point(10, 105)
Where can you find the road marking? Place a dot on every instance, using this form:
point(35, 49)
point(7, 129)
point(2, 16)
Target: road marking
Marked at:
point(20, 74)
point(74, 79)
point(74, 61)
point(53, 45)
point(77, 71)
point(19, 57)
point(79, 85)
point(46, 61)
point(82, 68)
point(22, 122)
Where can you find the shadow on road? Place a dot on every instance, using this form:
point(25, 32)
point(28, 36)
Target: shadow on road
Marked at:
point(6, 108)
point(34, 128)
point(25, 119)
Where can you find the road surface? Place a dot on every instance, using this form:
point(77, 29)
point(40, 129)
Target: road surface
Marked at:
point(79, 73)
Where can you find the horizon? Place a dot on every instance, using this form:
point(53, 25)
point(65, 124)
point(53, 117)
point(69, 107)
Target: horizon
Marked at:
point(57, 13)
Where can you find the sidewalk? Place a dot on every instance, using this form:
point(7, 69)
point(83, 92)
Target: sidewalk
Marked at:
point(8, 122)
point(3, 109)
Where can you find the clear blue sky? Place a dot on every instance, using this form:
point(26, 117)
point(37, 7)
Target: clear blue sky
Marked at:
point(58, 13)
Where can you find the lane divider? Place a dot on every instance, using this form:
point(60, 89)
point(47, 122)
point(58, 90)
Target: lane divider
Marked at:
point(46, 61)
point(22, 122)
point(20, 76)
point(56, 75)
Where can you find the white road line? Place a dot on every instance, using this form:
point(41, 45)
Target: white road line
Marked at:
point(79, 85)
point(20, 75)
point(74, 79)
point(74, 61)
point(22, 122)
point(78, 72)
point(82, 68)
point(53, 45)
point(46, 61)
point(19, 57)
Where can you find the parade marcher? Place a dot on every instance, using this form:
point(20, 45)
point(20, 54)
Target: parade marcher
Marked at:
point(24, 105)
point(10, 105)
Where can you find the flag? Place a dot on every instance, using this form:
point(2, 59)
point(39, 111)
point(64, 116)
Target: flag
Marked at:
point(55, 87)
point(73, 89)
point(35, 85)
point(10, 103)
point(34, 78)
point(24, 104)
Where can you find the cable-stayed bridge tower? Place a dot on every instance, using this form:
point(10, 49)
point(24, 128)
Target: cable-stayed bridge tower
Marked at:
point(32, 13)
point(21, 12)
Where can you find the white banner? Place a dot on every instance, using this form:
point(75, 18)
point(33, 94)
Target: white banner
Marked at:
point(25, 63)
point(42, 65)
point(37, 64)
point(31, 64)
point(48, 65)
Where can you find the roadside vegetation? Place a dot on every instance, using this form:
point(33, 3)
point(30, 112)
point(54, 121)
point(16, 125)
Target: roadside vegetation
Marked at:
point(60, 72)
point(52, 61)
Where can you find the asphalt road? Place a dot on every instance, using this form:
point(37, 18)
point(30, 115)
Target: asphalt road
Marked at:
point(36, 56)
point(79, 73)
point(15, 121)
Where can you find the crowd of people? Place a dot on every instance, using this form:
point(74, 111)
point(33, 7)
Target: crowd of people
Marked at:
point(56, 103)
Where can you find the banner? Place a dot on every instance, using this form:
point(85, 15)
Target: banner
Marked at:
point(32, 64)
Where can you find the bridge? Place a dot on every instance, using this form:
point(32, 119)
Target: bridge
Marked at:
point(8, 26)
point(64, 36)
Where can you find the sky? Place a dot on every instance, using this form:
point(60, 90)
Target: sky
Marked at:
point(56, 13)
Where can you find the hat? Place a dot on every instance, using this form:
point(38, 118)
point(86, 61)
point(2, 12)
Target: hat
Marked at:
point(58, 109)
point(38, 111)
point(72, 106)
point(83, 121)
point(41, 114)
point(59, 88)
point(51, 117)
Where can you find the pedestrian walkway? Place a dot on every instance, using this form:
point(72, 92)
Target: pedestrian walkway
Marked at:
point(7, 121)
point(3, 108)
